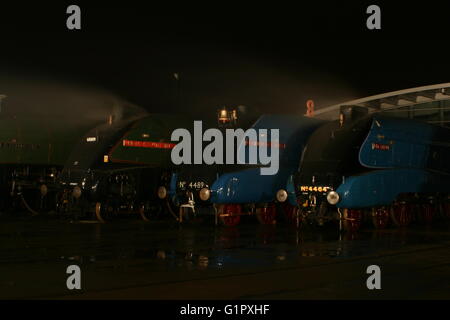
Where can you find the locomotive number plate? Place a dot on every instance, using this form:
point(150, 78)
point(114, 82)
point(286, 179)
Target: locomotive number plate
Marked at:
point(314, 189)
point(192, 185)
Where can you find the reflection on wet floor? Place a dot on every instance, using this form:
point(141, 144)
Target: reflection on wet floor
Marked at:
point(129, 246)
point(197, 245)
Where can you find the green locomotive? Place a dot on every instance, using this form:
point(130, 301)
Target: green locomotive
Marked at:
point(39, 126)
point(117, 167)
point(33, 150)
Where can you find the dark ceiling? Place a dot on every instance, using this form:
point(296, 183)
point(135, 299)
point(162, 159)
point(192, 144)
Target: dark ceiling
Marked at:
point(271, 58)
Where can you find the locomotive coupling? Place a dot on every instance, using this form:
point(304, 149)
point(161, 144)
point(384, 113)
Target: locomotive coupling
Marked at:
point(162, 192)
point(333, 197)
point(204, 194)
point(281, 195)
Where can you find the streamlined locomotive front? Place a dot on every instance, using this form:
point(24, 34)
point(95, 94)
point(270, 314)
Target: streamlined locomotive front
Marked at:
point(330, 155)
point(88, 175)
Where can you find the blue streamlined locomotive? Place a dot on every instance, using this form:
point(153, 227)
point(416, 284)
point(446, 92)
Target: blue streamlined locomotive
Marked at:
point(247, 190)
point(374, 166)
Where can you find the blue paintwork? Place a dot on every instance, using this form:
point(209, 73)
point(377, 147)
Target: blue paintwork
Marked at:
point(249, 186)
point(417, 161)
point(172, 192)
point(412, 144)
point(173, 184)
point(290, 189)
point(381, 187)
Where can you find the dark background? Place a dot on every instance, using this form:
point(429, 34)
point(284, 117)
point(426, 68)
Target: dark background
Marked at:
point(271, 57)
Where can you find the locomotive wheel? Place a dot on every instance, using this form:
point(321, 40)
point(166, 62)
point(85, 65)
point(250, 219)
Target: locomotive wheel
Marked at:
point(292, 214)
point(229, 214)
point(98, 212)
point(35, 205)
point(352, 219)
point(267, 215)
point(427, 212)
point(103, 211)
point(401, 214)
point(148, 212)
point(380, 217)
point(142, 213)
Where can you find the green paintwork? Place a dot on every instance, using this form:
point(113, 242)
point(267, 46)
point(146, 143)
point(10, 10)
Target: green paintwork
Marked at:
point(159, 128)
point(37, 140)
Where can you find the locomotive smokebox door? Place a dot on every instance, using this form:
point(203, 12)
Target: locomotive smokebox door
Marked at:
point(349, 114)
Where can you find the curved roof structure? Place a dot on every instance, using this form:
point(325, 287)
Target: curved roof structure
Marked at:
point(391, 100)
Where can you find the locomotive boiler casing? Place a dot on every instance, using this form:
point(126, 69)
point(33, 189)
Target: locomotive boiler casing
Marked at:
point(408, 156)
point(406, 143)
point(248, 185)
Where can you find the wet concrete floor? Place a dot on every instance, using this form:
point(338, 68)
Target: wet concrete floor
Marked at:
point(132, 259)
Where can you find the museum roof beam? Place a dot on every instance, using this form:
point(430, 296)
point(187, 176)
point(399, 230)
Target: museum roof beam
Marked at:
point(391, 100)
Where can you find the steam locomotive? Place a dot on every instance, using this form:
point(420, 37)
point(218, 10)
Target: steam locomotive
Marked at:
point(246, 190)
point(33, 153)
point(39, 133)
point(361, 166)
point(376, 167)
point(117, 167)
